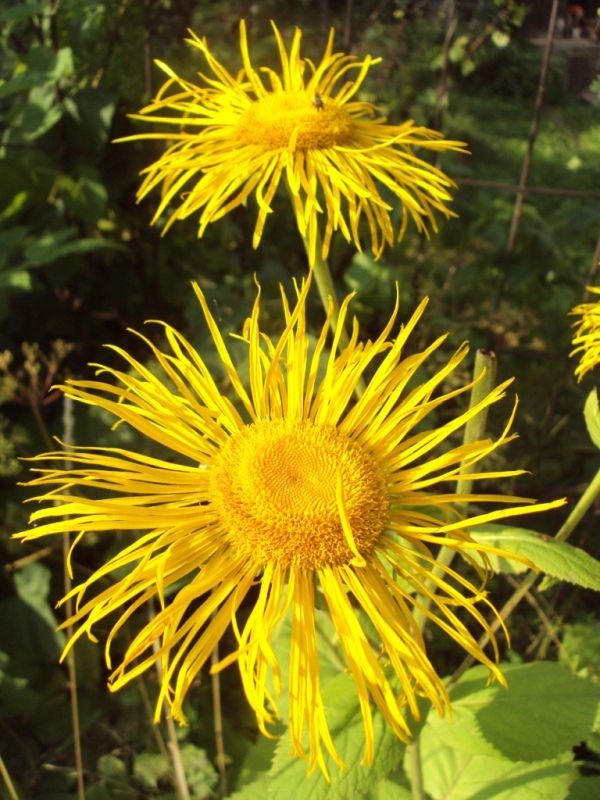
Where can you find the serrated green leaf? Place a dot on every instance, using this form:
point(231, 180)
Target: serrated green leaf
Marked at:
point(450, 774)
point(591, 414)
point(545, 711)
point(558, 559)
point(257, 761)
point(289, 775)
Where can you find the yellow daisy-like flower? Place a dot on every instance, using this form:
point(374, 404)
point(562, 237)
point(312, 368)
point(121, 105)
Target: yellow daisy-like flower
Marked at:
point(236, 136)
point(587, 335)
point(294, 488)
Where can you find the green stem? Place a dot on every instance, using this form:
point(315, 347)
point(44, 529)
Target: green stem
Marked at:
point(326, 287)
point(577, 514)
point(485, 362)
point(415, 771)
point(474, 431)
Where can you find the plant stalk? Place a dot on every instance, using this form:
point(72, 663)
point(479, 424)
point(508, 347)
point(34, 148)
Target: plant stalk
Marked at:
point(484, 373)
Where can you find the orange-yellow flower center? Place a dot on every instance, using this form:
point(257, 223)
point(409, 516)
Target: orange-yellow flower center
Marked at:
point(298, 120)
point(292, 492)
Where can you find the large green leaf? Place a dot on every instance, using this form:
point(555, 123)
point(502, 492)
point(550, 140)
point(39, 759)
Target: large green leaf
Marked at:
point(558, 559)
point(450, 774)
point(289, 775)
point(543, 713)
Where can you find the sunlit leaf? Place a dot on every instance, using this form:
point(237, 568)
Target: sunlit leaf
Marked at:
point(555, 558)
point(545, 711)
point(591, 413)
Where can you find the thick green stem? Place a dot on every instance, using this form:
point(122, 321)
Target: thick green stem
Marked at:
point(484, 373)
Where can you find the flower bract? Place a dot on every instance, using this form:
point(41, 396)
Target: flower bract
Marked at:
point(290, 487)
point(234, 136)
point(587, 335)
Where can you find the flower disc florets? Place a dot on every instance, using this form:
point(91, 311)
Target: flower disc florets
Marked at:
point(296, 121)
point(287, 490)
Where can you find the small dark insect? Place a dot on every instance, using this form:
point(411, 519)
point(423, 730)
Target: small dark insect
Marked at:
point(318, 102)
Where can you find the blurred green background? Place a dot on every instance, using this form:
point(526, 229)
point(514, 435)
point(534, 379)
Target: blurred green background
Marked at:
point(79, 265)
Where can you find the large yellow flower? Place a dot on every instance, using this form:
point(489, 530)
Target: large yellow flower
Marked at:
point(237, 136)
point(292, 487)
point(587, 335)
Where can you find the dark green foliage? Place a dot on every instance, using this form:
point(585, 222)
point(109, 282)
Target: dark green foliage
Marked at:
point(79, 264)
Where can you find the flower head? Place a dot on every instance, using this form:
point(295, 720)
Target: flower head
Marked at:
point(239, 135)
point(294, 488)
point(587, 335)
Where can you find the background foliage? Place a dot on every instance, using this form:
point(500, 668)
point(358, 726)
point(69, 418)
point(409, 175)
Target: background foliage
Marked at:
point(79, 265)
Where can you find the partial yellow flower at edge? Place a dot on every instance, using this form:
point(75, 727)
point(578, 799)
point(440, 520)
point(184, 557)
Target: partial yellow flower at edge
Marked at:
point(239, 136)
point(587, 335)
point(295, 487)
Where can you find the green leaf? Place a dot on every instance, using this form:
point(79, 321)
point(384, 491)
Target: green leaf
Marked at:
point(17, 202)
point(114, 783)
point(15, 279)
point(22, 12)
point(545, 711)
point(27, 622)
point(450, 774)
point(94, 109)
point(388, 790)
point(257, 790)
point(10, 239)
point(149, 768)
point(591, 414)
point(200, 775)
point(289, 774)
point(500, 38)
point(558, 559)
point(257, 761)
point(32, 583)
point(585, 789)
point(58, 244)
point(110, 766)
point(581, 646)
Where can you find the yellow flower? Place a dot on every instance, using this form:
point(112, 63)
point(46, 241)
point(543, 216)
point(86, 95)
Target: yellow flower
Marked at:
point(239, 135)
point(293, 488)
point(587, 335)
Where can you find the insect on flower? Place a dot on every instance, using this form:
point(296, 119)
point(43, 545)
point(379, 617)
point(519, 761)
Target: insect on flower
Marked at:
point(318, 102)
